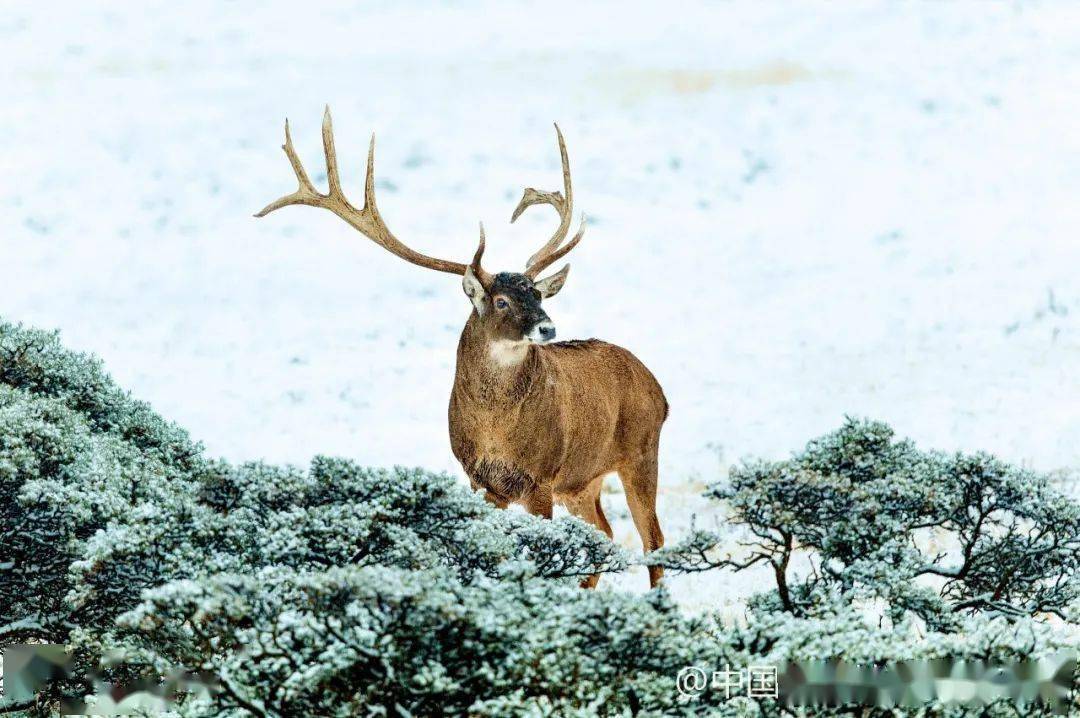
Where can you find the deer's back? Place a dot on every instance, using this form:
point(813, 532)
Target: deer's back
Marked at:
point(592, 366)
point(611, 400)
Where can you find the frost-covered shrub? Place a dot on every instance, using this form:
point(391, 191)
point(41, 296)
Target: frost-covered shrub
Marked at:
point(357, 640)
point(77, 455)
point(926, 533)
point(261, 544)
point(101, 499)
point(838, 631)
point(345, 590)
point(240, 519)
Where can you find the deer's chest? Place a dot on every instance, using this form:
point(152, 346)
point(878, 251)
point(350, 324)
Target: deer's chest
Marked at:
point(507, 450)
point(514, 436)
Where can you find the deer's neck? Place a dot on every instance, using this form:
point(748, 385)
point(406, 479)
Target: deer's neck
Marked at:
point(496, 372)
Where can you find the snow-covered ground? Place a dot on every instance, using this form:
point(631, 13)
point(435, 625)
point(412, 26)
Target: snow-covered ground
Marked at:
point(797, 211)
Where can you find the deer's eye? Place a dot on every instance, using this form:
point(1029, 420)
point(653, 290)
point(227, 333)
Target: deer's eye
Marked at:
point(501, 303)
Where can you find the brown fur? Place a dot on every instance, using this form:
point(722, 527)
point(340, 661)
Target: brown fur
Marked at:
point(551, 426)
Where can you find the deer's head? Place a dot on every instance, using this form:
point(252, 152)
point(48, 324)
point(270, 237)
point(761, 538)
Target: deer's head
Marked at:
point(507, 304)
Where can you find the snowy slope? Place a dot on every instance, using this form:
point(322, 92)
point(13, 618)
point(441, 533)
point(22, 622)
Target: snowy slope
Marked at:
point(797, 212)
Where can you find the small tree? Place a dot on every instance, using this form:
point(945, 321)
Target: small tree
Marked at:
point(862, 509)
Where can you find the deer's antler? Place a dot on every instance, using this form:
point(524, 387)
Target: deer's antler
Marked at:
point(564, 205)
point(367, 220)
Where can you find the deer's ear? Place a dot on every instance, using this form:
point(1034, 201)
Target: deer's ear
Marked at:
point(550, 286)
point(474, 290)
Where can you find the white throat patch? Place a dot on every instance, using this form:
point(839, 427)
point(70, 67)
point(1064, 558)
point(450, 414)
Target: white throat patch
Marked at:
point(505, 352)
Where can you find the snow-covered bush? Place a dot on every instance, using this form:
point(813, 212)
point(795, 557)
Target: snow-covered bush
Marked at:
point(101, 499)
point(77, 455)
point(872, 518)
point(348, 640)
point(345, 590)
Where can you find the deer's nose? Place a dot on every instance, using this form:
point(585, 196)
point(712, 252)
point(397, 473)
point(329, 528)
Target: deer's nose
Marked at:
point(547, 331)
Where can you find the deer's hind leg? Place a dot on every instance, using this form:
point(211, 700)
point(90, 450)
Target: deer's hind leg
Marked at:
point(586, 506)
point(639, 479)
point(602, 522)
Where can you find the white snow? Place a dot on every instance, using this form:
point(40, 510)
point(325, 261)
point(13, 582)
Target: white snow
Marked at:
point(797, 211)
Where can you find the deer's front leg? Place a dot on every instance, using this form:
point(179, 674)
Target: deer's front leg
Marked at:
point(539, 502)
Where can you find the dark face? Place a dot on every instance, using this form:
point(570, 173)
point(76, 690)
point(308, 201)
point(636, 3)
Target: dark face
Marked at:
point(515, 312)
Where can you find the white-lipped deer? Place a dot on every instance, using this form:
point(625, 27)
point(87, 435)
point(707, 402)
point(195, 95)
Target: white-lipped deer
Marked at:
point(531, 421)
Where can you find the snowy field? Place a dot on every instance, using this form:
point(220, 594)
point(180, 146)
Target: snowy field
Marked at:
point(797, 211)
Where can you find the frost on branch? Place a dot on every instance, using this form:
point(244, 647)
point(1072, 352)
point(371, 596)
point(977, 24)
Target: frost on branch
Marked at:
point(932, 535)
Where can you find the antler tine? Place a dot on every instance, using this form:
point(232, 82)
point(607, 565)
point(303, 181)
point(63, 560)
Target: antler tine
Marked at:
point(483, 275)
point(563, 204)
point(305, 192)
point(367, 220)
point(369, 177)
point(332, 177)
point(547, 260)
